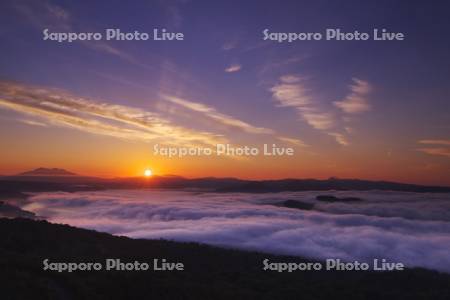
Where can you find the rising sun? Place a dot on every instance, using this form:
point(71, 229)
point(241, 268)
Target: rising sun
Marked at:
point(148, 173)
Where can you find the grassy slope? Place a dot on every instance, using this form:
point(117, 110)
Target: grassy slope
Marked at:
point(210, 273)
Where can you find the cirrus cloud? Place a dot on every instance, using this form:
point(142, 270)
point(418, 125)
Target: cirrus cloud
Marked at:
point(229, 121)
point(436, 147)
point(292, 92)
point(233, 68)
point(356, 101)
point(58, 107)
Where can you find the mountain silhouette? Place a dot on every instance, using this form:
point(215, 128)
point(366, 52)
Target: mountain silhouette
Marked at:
point(47, 172)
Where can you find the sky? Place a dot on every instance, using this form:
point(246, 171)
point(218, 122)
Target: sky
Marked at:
point(349, 109)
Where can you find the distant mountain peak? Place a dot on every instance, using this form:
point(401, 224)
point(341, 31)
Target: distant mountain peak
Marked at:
point(47, 172)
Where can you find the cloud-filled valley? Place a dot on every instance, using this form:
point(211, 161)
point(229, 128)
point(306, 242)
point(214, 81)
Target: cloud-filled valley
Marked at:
point(411, 228)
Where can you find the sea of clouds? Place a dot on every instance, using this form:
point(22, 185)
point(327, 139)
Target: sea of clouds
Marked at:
point(412, 228)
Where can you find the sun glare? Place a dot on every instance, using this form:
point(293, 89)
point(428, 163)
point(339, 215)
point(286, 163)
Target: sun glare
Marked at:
point(148, 173)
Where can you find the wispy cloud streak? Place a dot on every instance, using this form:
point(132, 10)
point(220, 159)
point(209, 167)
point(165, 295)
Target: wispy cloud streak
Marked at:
point(356, 101)
point(212, 113)
point(435, 147)
point(62, 108)
point(292, 92)
point(233, 68)
point(435, 142)
point(229, 121)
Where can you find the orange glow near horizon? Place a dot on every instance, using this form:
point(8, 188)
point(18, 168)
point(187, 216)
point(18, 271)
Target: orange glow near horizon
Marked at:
point(258, 168)
point(99, 156)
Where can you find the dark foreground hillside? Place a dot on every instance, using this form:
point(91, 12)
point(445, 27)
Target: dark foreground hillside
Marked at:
point(210, 273)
